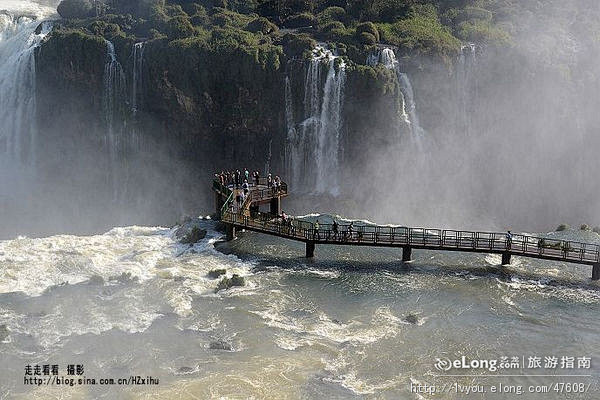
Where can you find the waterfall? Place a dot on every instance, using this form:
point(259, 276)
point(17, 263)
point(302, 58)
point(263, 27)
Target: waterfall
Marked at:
point(313, 149)
point(408, 110)
point(19, 37)
point(465, 88)
point(113, 96)
point(328, 137)
point(137, 81)
point(294, 151)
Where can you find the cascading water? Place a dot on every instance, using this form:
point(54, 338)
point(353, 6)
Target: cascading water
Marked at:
point(465, 88)
point(18, 40)
point(328, 137)
point(313, 148)
point(408, 112)
point(137, 93)
point(137, 82)
point(114, 89)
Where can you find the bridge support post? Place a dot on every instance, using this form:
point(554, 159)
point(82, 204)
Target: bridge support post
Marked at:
point(406, 253)
point(218, 203)
point(230, 230)
point(275, 208)
point(310, 249)
point(505, 258)
point(596, 272)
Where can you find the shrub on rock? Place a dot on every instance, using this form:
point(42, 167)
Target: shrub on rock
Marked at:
point(70, 9)
point(180, 27)
point(562, 227)
point(300, 21)
point(367, 39)
point(262, 25)
point(295, 45)
point(367, 27)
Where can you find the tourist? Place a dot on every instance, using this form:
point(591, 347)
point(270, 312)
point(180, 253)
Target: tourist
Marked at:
point(256, 177)
point(335, 229)
point(238, 177)
point(316, 231)
point(269, 181)
point(350, 230)
point(508, 239)
point(246, 174)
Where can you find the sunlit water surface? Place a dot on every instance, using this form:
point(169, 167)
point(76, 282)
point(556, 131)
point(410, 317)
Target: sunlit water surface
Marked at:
point(133, 301)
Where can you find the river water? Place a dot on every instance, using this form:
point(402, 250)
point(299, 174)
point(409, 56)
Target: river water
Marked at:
point(352, 323)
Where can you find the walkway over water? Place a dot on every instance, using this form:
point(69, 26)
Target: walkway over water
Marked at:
point(247, 216)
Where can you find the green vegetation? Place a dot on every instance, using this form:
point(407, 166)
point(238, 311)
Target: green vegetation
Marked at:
point(416, 27)
point(562, 227)
point(75, 8)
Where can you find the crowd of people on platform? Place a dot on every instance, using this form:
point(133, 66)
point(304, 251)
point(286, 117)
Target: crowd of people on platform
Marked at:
point(245, 179)
point(242, 181)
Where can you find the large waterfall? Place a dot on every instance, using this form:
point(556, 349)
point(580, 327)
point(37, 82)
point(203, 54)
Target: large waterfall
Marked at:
point(18, 40)
point(313, 149)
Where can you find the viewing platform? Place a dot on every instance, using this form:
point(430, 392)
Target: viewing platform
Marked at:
point(248, 216)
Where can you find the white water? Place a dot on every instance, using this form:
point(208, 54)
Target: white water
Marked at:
point(466, 90)
point(18, 41)
point(114, 87)
point(408, 111)
point(137, 83)
point(314, 147)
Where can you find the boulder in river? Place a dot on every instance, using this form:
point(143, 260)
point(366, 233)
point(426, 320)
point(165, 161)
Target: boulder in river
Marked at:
point(193, 236)
point(215, 273)
point(227, 283)
point(220, 345)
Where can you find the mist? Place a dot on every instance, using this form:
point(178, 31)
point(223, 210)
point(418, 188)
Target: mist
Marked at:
point(507, 136)
point(511, 136)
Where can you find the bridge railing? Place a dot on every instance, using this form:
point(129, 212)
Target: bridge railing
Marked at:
point(426, 237)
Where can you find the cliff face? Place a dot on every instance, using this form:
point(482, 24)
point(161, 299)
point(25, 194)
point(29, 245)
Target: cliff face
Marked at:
point(202, 108)
point(199, 110)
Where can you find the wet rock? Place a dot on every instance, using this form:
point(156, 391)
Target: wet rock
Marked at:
point(96, 280)
point(193, 236)
point(184, 219)
point(412, 318)
point(3, 332)
point(215, 273)
point(185, 370)
point(124, 277)
point(227, 283)
point(220, 345)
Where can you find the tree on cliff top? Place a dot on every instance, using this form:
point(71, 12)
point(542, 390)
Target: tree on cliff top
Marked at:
point(75, 9)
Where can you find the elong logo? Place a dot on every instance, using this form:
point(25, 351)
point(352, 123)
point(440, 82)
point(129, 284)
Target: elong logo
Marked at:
point(445, 364)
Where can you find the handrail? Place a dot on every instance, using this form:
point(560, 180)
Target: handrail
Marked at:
point(496, 242)
point(424, 237)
